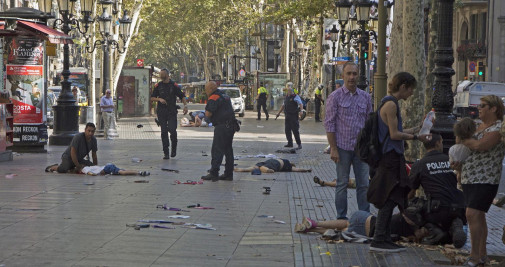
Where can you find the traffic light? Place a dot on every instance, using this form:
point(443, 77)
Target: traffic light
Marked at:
point(481, 71)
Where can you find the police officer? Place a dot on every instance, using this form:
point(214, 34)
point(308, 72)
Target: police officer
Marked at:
point(166, 92)
point(293, 107)
point(261, 100)
point(221, 114)
point(318, 101)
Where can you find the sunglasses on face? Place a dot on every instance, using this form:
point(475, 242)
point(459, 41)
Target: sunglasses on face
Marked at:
point(483, 105)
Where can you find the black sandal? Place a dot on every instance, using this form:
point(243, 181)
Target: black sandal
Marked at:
point(318, 181)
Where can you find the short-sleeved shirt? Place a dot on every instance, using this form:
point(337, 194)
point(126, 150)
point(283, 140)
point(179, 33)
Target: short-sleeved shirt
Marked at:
point(484, 167)
point(262, 93)
point(434, 173)
point(81, 146)
point(169, 92)
point(219, 105)
point(106, 101)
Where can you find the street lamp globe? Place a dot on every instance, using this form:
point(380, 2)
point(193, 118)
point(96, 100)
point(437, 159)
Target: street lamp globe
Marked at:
point(45, 6)
point(66, 6)
point(363, 10)
point(105, 21)
point(334, 33)
point(124, 25)
point(343, 8)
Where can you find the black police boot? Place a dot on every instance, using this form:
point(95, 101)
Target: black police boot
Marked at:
point(211, 177)
point(166, 156)
point(267, 117)
point(174, 150)
point(457, 233)
point(226, 177)
point(436, 235)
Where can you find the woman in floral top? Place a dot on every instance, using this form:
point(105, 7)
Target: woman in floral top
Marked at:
point(480, 173)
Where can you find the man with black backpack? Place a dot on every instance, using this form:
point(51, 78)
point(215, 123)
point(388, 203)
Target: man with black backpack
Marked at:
point(347, 108)
point(166, 92)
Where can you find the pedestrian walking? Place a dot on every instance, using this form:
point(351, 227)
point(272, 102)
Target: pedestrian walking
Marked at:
point(76, 156)
point(481, 172)
point(347, 109)
point(318, 101)
point(390, 185)
point(166, 92)
point(220, 112)
point(261, 100)
point(292, 107)
point(107, 107)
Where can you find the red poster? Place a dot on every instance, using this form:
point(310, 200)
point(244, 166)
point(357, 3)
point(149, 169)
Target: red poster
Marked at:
point(24, 83)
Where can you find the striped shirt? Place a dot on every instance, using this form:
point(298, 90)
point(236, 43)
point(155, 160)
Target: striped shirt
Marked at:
point(346, 114)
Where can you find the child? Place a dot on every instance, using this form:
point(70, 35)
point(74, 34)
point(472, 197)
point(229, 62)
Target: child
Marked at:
point(464, 129)
point(110, 168)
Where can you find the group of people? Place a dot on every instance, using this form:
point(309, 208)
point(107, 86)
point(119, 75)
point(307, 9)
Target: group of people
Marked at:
point(440, 215)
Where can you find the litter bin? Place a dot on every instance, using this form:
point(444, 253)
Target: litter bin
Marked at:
point(86, 114)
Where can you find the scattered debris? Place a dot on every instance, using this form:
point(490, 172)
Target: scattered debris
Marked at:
point(267, 190)
point(137, 226)
point(169, 170)
point(162, 226)
point(89, 183)
point(206, 226)
point(279, 222)
point(266, 216)
point(140, 126)
point(286, 151)
point(178, 217)
point(141, 181)
point(136, 160)
point(188, 182)
point(165, 207)
point(260, 126)
point(10, 175)
point(193, 206)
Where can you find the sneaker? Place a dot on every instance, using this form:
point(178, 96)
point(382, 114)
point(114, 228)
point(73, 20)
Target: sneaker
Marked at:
point(144, 173)
point(226, 177)
point(210, 177)
point(400, 247)
point(309, 223)
point(457, 233)
point(166, 156)
point(289, 145)
point(384, 247)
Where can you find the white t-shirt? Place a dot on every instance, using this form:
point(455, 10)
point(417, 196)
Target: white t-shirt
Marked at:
point(92, 170)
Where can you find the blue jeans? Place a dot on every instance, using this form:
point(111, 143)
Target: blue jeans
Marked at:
point(348, 158)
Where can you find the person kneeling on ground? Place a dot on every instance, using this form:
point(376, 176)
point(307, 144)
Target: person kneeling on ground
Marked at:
point(445, 205)
point(271, 166)
point(76, 156)
point(110, 168)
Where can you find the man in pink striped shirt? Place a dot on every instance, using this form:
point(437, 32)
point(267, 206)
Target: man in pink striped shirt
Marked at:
point(347, 108)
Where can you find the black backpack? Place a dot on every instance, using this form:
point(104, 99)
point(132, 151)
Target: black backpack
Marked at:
point(368, 147)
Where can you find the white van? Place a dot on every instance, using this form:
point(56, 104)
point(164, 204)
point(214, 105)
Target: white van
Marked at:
point(236, 97)
point(468, 94)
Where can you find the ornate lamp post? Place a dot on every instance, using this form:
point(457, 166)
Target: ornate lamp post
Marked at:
point(334, 39)
point(360, 36)
point(380, 77)
point(442, 100)
point(66, 123)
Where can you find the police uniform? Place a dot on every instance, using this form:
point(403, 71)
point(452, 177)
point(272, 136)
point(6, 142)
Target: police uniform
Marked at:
point(167, 114)
point(291, 124)
point(223, 119)
point(262, 101)
point(317, 102)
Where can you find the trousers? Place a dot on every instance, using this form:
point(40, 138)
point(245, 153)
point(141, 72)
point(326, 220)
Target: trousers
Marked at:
point(291, 125)
point(107, 122)
point(222, 146)
point(259, 105)
point(318, 109)
point(168, 124)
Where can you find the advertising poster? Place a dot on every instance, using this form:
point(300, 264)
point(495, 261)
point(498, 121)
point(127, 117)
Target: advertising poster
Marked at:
point(23, 83)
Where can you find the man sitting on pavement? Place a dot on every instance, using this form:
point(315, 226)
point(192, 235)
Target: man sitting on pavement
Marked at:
point(271, 166)
point(76, 156)
point(445, 205)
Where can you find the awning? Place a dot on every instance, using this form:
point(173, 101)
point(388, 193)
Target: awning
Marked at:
point(54, 36)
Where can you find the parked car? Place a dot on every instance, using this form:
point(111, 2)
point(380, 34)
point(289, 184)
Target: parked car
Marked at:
point(236, 97)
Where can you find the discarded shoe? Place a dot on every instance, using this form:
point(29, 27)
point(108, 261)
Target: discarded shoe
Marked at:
point(144, 173)
point(48, 168)
point(267, 190)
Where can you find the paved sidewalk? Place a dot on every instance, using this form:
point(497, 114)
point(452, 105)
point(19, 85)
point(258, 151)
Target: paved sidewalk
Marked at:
point(58, 220)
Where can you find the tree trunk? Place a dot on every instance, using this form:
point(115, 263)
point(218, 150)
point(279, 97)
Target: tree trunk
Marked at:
point(430, 78)
point(135, 24)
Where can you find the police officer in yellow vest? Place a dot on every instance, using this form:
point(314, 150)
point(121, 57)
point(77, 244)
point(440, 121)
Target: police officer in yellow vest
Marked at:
point(261, 101)
point(318, 101)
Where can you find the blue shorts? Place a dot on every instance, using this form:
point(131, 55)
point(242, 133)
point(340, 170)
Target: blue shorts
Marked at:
point(111, 169)
point(357, 223)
